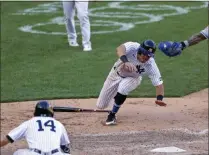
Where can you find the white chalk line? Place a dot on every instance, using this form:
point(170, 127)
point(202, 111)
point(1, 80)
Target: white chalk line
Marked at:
point(184, 130)
point(141, 17)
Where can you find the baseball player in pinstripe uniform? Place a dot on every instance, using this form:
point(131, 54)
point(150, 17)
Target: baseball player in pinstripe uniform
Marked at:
point(44, 134)
point(135, 60)
point(82, 13)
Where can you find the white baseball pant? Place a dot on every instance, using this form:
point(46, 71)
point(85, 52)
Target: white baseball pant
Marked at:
point(29, 152)
point(113, 84)
point(82, 14)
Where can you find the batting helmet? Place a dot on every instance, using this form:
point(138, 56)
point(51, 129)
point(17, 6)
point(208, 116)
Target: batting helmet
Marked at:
point(43, 108)
point(148, 47)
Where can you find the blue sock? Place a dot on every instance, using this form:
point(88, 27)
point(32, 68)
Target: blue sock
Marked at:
point(115, 108)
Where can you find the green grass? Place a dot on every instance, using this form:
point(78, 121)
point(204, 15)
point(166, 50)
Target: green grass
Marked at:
point(35, 66)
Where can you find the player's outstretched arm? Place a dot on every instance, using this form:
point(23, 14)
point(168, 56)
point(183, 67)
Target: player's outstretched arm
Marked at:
point(14, 135)
point(193, 40)
point(154, 74)
point(160, 95)
point(172, 49)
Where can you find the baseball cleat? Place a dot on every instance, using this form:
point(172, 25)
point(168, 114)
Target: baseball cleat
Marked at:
point(111, 119)
point(87, 48)
point(73, 43)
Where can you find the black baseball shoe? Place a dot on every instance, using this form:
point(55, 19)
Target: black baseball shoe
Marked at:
point(111, 119)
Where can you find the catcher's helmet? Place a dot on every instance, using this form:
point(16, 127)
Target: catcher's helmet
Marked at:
point(43, 108)
point(148, 47)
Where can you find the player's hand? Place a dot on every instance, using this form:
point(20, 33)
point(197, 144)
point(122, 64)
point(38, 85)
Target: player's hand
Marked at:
point(130, 67)
point(160, 103)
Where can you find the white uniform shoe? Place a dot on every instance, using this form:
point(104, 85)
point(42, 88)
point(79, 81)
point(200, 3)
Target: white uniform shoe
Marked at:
point(87, 47)
point(73, 43)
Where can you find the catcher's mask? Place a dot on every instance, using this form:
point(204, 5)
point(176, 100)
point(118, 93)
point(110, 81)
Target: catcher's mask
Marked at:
point(43, 108)
point(148, 48)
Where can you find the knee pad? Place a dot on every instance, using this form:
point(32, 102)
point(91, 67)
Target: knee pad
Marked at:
point(120, 98)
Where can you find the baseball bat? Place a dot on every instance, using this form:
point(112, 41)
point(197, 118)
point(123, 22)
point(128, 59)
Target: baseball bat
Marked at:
point(73, 109)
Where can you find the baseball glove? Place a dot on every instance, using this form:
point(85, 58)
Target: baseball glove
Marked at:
point(127, 70)
point(160, 103)
point(129, 67)
point(170, 48)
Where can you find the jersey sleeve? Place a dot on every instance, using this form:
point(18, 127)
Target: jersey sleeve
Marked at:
point(154, 74)
point(131, 46)
point(64, 138)
point(205, 32)
point(18, 133)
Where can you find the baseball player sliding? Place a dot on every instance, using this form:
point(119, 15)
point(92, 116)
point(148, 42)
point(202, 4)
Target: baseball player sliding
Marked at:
point(44, 134)
point(134, 61)
point(172, 49)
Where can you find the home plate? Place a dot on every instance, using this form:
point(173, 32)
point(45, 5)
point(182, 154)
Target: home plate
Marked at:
point(171, 149)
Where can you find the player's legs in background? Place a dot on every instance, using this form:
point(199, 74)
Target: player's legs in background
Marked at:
point(109, 90)
point(127, 85)
point(82, 12)
point(69, 13)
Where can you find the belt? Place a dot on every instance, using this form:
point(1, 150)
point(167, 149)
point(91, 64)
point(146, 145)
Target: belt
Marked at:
point(120, 75)
point(45, 153)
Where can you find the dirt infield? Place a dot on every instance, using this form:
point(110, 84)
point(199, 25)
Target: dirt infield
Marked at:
point(142, 126)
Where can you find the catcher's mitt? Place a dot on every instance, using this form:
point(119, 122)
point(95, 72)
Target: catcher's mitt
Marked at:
point(160, 103)
point(170, 48)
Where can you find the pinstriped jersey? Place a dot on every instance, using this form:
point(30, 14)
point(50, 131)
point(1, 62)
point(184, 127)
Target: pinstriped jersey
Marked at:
point(43, 133)
point(205, 32)
point(148, 68)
